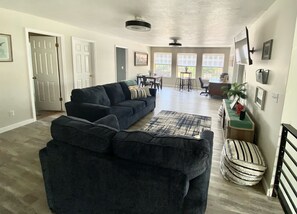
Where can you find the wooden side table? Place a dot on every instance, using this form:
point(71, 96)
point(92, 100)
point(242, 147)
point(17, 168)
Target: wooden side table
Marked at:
point(233, 127)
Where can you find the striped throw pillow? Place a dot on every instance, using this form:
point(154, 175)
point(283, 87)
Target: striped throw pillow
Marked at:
point(139, 92)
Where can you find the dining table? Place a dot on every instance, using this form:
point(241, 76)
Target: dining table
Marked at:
point(185, 80)
point(152, 78)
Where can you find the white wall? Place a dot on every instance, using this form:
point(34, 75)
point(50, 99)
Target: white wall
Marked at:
point(277, 23)
point(290, 112)
point(14, 79)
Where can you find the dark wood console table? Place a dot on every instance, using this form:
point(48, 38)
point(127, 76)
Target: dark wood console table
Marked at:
point(215, 88)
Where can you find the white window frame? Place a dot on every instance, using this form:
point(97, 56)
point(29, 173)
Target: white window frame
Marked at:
point(190, 65)
point(215, 63)
point(168, 62)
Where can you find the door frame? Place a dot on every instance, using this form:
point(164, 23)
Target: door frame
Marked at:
point(115, 60)
point(93, 45)
point(62, 66)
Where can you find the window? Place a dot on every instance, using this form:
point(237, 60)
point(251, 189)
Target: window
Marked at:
point(188, 60)
point(162, 64)
point(212, 65)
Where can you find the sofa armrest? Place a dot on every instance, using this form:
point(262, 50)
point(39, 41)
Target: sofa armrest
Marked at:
point(196, 198)
point(88, 111)
point(153, 91)
point(207, 135)
point(43, 156)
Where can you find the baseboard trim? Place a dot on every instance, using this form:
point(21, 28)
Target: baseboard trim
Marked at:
point(16, 125)
point(266, 187)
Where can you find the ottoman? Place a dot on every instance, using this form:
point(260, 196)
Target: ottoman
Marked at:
point(242, 162)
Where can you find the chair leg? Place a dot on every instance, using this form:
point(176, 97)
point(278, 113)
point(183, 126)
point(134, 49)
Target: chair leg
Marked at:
point(204, 92)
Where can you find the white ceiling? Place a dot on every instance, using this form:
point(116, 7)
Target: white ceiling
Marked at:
point(198, 23)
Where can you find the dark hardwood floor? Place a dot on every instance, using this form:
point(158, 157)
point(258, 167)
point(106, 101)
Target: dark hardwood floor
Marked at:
point(21, 182)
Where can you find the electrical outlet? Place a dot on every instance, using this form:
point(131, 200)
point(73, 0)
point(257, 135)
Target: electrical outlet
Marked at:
point(11, 113)
point(275, 97)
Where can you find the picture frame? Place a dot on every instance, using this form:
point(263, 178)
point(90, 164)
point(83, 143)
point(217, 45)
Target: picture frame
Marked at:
point(266, 51)
point(140, 59)
point(260, 97)
point(5, 48)
point(235, 100)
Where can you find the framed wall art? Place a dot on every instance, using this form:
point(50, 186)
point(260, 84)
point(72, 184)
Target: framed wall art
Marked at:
point(140, 59)
point(267, 48)
point(260, 97)
point(5, 48)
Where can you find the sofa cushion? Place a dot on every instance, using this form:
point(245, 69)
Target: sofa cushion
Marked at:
point(114, 92)
point(186, 154)
point(83, 134)
point(136, 105)
point(125, 90)
point(95, 95)
point(110, 120)
point(121, 111)
point(148, 100)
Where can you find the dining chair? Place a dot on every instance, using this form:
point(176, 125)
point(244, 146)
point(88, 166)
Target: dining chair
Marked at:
point(158, 83)
point(145, 82)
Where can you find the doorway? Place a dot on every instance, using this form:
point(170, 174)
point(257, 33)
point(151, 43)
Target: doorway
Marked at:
point(45, 72)
point(121, 64)
point(83, 62)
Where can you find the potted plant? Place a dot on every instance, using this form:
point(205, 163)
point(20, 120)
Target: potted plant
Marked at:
point(238, 89)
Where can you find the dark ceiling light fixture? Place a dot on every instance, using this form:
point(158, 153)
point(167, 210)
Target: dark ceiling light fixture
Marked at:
point(138, 25)
point(175, 43)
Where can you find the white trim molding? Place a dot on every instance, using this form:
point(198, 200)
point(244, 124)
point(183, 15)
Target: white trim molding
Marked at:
point(16, 125)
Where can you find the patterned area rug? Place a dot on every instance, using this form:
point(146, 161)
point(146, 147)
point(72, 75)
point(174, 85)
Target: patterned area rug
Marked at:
point(175, 123)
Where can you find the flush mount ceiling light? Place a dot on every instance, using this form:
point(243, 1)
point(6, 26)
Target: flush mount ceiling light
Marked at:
point(138, 25)
point(175, 43)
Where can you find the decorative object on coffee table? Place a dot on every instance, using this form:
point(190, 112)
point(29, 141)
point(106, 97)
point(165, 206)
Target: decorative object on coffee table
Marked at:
point(175, 123)
point(239, 107)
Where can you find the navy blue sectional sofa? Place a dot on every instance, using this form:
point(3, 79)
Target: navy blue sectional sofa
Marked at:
point(96, 102)
point(95, 168)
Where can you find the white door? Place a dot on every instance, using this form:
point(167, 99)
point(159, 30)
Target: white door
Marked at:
point(46, 73)
point(121, 63)
point(82, 63)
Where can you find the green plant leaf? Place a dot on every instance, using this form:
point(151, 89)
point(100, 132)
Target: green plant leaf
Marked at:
point(238, 89)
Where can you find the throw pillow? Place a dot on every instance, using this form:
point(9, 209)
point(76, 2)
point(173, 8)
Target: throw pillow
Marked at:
point(147, 91)
point(130, 82)
point(138, 92)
